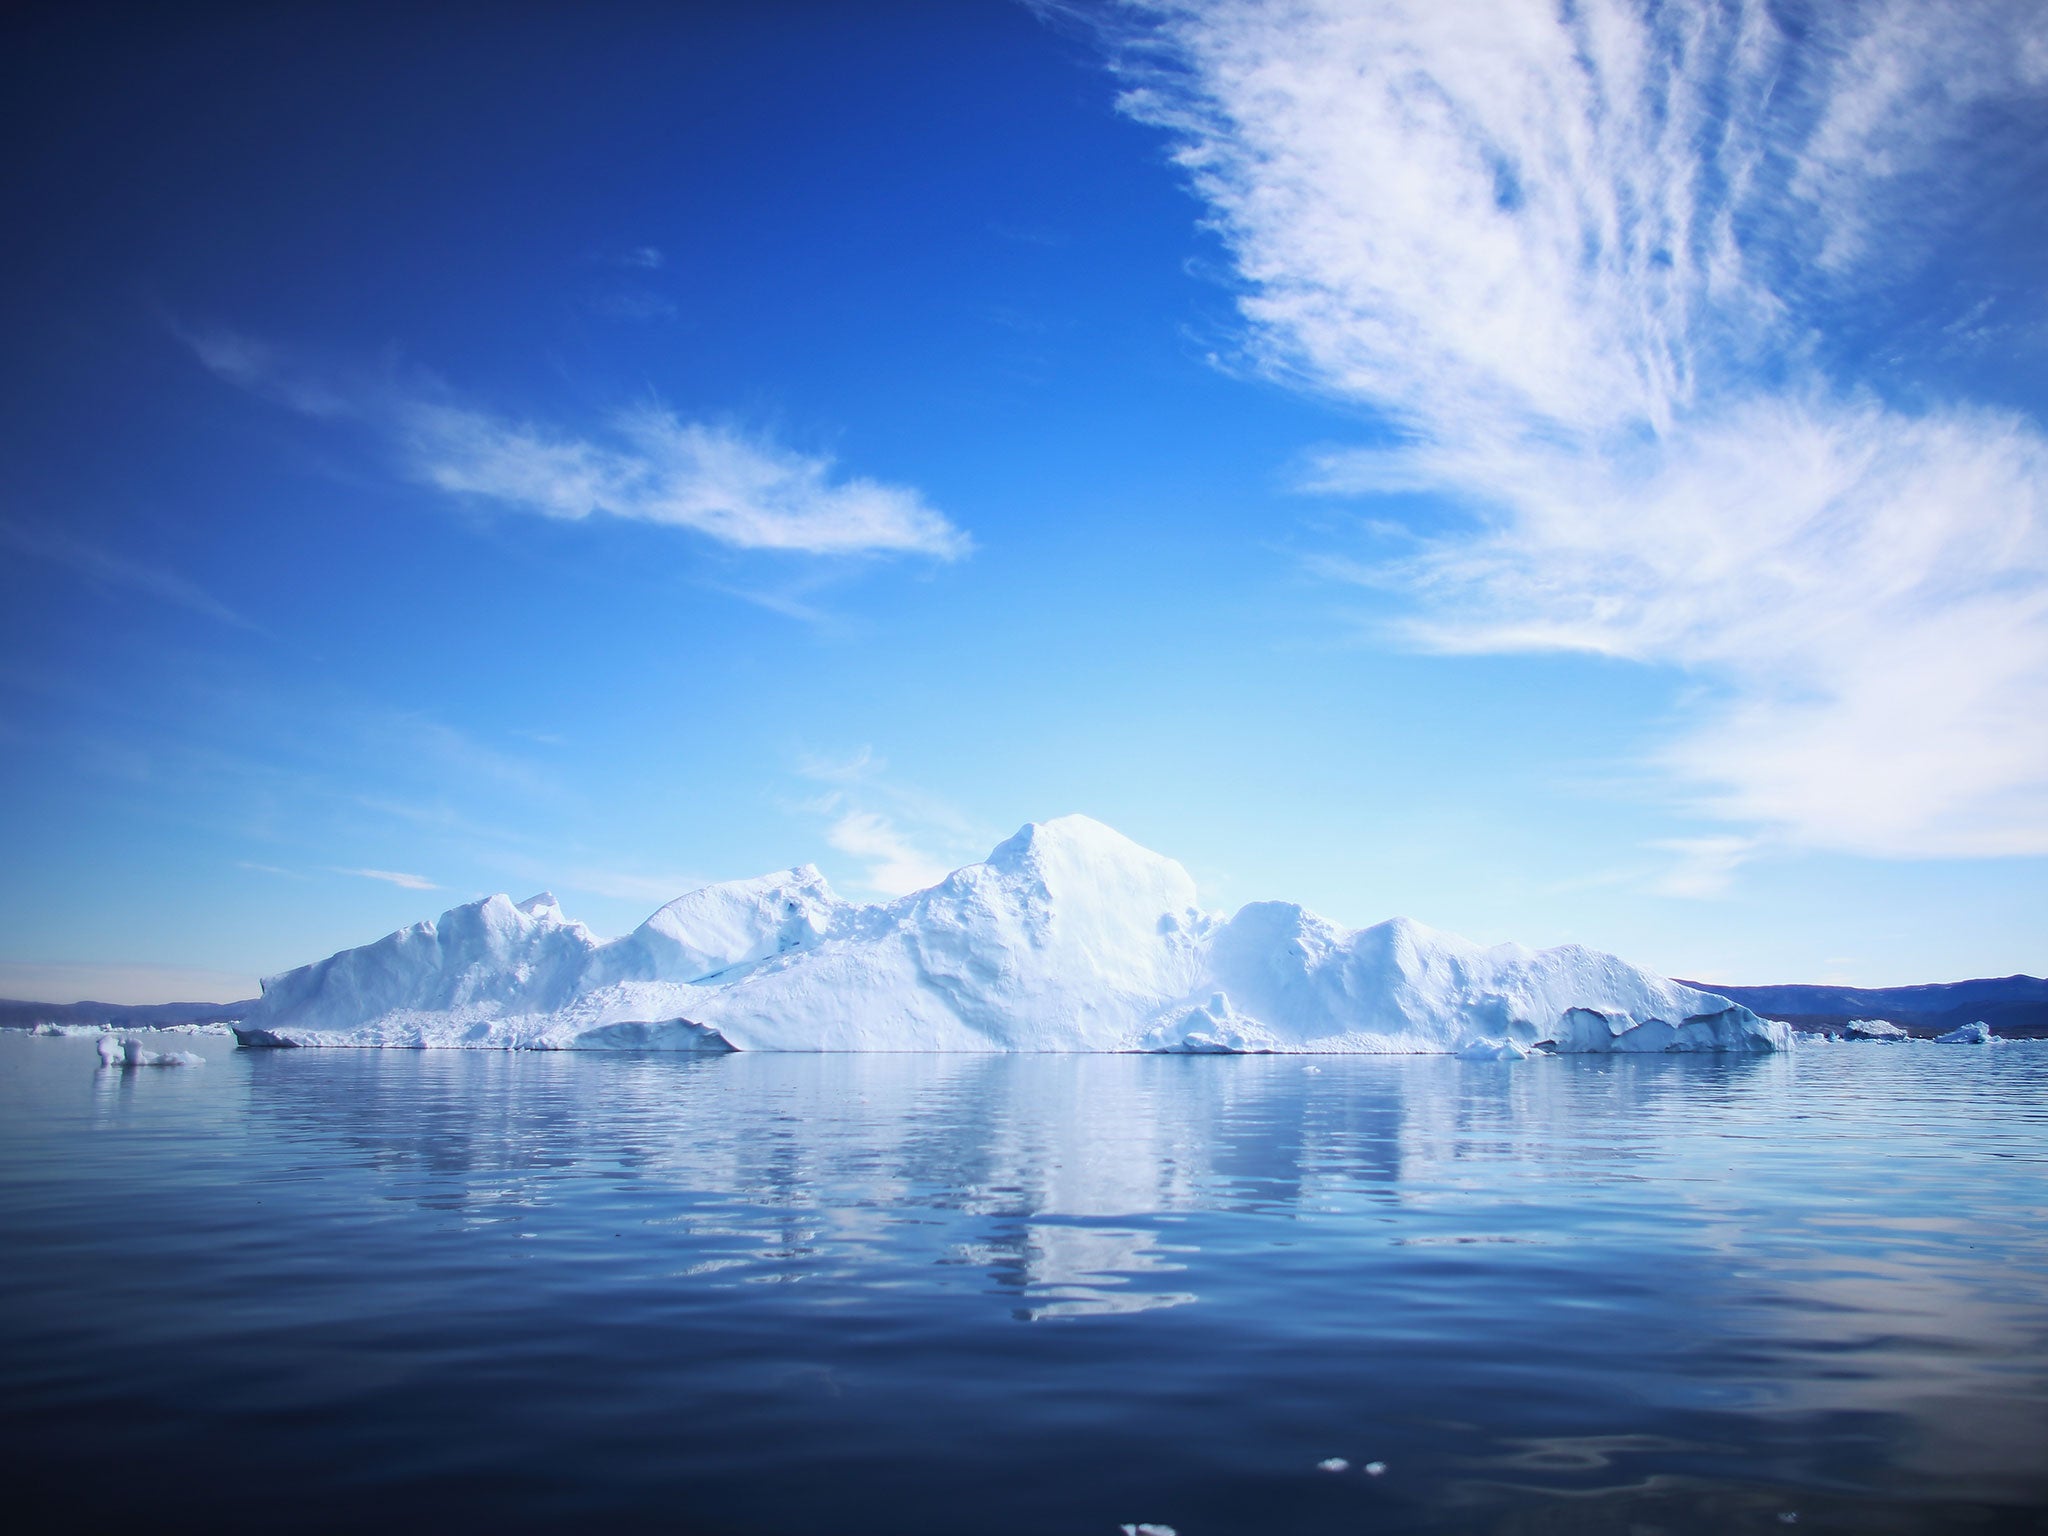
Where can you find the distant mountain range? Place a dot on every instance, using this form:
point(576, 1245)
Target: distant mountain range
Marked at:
point(21, 1015)
point(2015, 1006)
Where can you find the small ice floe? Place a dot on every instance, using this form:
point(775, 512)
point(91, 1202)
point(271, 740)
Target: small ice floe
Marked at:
point(1311, 1071)
point(1148, 1530)
point(1375, 1469)
point(1873, 1029)
point(1788, 1517)
point(61, 1031)
point(1491, 1050)
point(1333, 1464)
point(129, 1053)
point(1978, 1033)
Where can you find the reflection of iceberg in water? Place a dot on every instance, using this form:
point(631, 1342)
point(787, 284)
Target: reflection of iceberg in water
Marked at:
point(1097, 1272)
point(1056, 1269)
point(1579, 1279)
point(1060, 1180)
point(1084, 1156)
point(1078, 1188)
point(1002, 1141)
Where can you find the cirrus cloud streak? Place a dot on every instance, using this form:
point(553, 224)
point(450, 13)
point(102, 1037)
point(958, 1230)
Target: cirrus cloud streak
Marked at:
point(1580, 260)
point(741, 489)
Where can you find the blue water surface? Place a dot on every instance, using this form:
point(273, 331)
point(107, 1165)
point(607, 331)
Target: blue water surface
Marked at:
point(338, 1290)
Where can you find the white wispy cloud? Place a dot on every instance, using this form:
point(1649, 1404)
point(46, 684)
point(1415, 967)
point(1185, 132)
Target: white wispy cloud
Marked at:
point(654, 467)
point(261, 368)
point(895, 865)
point(1574, 256)
point(117, 571)
point(631, 885)
point(1702, 867)
point(906, 838)
point(740, 488)
point(852, 767)
point(403, 881)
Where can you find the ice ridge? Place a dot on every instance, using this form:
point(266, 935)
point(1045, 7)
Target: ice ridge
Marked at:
point(1068, 937)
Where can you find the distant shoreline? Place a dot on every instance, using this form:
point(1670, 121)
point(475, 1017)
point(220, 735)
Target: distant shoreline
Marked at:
point(15, 1014)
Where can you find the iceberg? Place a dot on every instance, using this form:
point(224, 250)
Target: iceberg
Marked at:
point(132, 1053)
point(1067, 937)
point(1491, 1050)
point(1969, 1034)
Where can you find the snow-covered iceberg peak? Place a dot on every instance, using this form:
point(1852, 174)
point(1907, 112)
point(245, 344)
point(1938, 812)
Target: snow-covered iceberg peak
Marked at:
point(713, 930)
point(1063, 905)
point(1068, 937)
point(472, 961)
point(1078, 860)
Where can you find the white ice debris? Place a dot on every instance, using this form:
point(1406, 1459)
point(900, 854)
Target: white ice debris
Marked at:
point(1068, 937)
point(53, 1030)
point(1970, 1034)
point(1375, 1469)
point(1147, 1530)
point(130, 1053)
point(1873, 1029)
point(1491, 1050)
point(1333, 1464)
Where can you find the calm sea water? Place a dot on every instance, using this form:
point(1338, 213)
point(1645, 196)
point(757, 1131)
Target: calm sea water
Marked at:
point(758, 1294)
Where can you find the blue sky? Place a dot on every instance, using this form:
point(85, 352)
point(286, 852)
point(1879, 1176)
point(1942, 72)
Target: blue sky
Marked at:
point(1557, 475)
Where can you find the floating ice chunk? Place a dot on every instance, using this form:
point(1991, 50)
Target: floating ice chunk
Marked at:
point(1978, 1033)
point(130, 1053)
point(1148, 1530)
point(1491, 1050)
point(50, 1030)
point(1733, 1028)
point(1311, 1071)
point(1333, 1464)
point(1873, 1029)
point(1375, 1469)
point(1214, 1028)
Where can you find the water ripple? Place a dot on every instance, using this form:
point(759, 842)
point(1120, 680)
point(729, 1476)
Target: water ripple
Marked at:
point(912, 1294)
